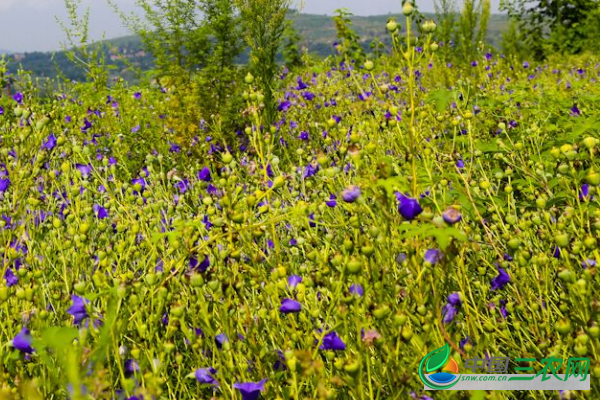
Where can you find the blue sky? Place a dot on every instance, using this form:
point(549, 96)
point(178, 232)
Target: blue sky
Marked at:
point(30, 25)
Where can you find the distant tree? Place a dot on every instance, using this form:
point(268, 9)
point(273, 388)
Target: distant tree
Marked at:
point(472, 28)
point(292, 53)
point(220, 91)
point(445, 11)
point(264, 22)
point(555, 26)
point(194, 42)
point(348, 40)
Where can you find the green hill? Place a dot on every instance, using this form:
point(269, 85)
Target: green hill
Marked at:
point(317, 31)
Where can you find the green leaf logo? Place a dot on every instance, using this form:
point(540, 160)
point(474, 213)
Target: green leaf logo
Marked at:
point(437, 358)
point(433, 361)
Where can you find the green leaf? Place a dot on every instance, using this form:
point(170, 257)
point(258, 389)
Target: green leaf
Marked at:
point(393, 184)
point(478, 395)
point(57, 338)
point(441, 98)
point(437, 358)
point(444, 236)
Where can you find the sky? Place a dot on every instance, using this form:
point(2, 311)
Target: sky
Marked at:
point(30, 25)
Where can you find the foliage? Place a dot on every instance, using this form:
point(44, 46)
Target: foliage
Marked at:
point(385, 214)
point(219, 81)
point(265, 22)
point(472, 28)
point(172, 31)
point(317, 31)
point(550, 27)
point(90, 58)
point(446, 18)
point(292, 53)
point(348, 44)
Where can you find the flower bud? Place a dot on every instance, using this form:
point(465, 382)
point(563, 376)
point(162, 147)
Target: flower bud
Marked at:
point(392, 26)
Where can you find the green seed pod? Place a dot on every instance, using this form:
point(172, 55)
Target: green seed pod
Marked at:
point(407, 333)
point(400, 319)
point(3, 294)
point(227, 158)
point(563, 326)
point(352, 368)
point(391, 26)
point(151, 279)
point(382, 312)
point(80, 288)
point(354, 266)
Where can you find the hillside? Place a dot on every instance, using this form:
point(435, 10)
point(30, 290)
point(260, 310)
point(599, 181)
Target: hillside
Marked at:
point(317, 31)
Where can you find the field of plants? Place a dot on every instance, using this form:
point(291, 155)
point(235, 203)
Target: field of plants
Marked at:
point(394, 206)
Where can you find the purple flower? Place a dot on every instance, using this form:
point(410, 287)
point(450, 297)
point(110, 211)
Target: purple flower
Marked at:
point(451, 308)
point(351, 194)
point(332, 341)
point(409, 208)
point(137, 95)
point(303, 135)
point(220, 340)
point(250, 390)
point(1, 110)
point(414, 395)
point(357, 290)
point(501, 280)
point(452, 215)
point(18, 97)
point(279, 365)
point(4, 184)
point(77, 310)
point(449, 312)
point(204, 175)
point(310, 170)
point(290, 306)
point(284, 105)
point(205, 376)
point(10, 277)
point(22, 341)
point(575, 111)
point(432, 256)
point(308, 96)
point(131, 367)
point(175, 148)
point(139, 181)
point(183, 185)
point(199, 266)
point(584, 192)
point(503, 309)
point(460, 164)
point(100, 211)
point(50, 143)
point(462, 343)
point(589, 263)
point(301, 85)
point(332, 201)
point(84, 169)
point(294, 280)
